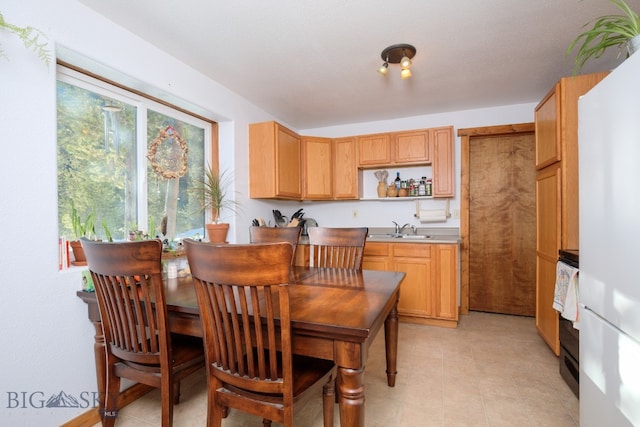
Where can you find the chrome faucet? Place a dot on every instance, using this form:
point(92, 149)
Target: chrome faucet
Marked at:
point(399, 229)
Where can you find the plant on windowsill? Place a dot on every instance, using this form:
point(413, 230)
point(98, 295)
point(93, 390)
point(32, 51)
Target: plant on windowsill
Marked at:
point(213, 190)
point(81, 230)
point(608, 31)
point(30, 38)
point(107, 231)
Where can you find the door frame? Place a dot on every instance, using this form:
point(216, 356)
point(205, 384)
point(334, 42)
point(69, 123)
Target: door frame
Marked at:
point(465, 138)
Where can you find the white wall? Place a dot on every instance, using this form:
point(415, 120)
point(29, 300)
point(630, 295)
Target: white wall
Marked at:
point(47, 339)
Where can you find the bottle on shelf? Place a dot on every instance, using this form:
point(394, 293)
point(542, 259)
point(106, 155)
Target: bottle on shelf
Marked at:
point(422, 186)
point(398, 181)
point(428, 187)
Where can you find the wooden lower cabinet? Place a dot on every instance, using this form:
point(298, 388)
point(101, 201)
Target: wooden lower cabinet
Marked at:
point(429, 292)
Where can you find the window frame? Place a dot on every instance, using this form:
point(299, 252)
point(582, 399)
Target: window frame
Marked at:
point(72, 75)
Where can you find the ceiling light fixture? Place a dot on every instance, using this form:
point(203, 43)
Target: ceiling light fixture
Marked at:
point(398, 54)
point(384, 67)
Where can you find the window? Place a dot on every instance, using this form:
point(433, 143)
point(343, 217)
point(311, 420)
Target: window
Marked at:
point(128, 162)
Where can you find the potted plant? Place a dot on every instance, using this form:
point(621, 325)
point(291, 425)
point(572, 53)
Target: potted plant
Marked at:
point(214, 192)
point(81, 229)
point(30, 38)
point(607, 31)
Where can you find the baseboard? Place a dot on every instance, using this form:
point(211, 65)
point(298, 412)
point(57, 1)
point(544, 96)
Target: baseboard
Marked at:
point(428, 321)
point(92, 416)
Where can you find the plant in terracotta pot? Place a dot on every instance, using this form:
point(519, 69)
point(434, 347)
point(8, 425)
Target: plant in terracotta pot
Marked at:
point(214, 190)
point(608, 31)
point(81, 229)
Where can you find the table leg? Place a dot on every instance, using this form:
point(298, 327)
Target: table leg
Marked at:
point(351, 397)
point(100, 358)
point(391, 344)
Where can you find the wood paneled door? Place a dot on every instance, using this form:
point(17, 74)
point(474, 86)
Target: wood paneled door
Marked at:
point(498, 219)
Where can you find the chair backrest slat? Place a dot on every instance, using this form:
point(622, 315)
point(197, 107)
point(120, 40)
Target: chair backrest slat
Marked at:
point(128, 282)
point(337, 247)
point(243, 297)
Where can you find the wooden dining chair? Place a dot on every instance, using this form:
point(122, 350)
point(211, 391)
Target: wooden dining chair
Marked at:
point(130, 293)
point(337, 247)
point(276, 235)
point(243, 297)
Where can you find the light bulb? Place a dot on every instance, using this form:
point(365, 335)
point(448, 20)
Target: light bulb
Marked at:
point(383, 69)
point(405, 62)
point(405, 74)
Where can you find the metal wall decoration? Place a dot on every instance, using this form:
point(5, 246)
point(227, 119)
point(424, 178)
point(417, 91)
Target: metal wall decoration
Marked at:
point(168, 154)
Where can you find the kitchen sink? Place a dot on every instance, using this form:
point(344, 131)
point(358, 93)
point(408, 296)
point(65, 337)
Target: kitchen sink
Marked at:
point(399, 236)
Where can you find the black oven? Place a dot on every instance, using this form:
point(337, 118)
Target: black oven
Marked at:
point(570, 336)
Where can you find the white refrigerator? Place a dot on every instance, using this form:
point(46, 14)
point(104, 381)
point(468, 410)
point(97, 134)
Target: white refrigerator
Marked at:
point(609, 278)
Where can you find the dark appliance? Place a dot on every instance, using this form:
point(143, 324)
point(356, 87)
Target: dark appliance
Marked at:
point(570, 336)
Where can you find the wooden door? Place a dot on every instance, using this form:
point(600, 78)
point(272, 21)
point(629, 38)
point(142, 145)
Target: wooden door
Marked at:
point(502, 224)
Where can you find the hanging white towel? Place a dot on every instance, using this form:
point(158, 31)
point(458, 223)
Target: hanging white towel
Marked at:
point(565, 298)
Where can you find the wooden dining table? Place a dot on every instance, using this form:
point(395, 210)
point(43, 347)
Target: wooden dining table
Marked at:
point(335, 315)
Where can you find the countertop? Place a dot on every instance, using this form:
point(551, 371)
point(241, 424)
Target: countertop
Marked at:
point(423, 235)
point(429, 235)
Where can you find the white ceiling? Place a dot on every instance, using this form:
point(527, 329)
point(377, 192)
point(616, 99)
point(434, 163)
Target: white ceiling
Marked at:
point(312, 63)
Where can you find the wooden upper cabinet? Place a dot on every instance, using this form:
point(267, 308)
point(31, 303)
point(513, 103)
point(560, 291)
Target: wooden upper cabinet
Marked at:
point(441, 141)
point(556, 129)
point(374, 150)
point(284, 165)
point(385, 149)
point(330, 168)
point(434, 146)
point(345, 168)
point(411, 147)
point(274, 162)
point(317, 163)
point(547, 131)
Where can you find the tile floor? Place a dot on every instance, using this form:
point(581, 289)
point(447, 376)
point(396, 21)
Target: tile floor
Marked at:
point(493, 370)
